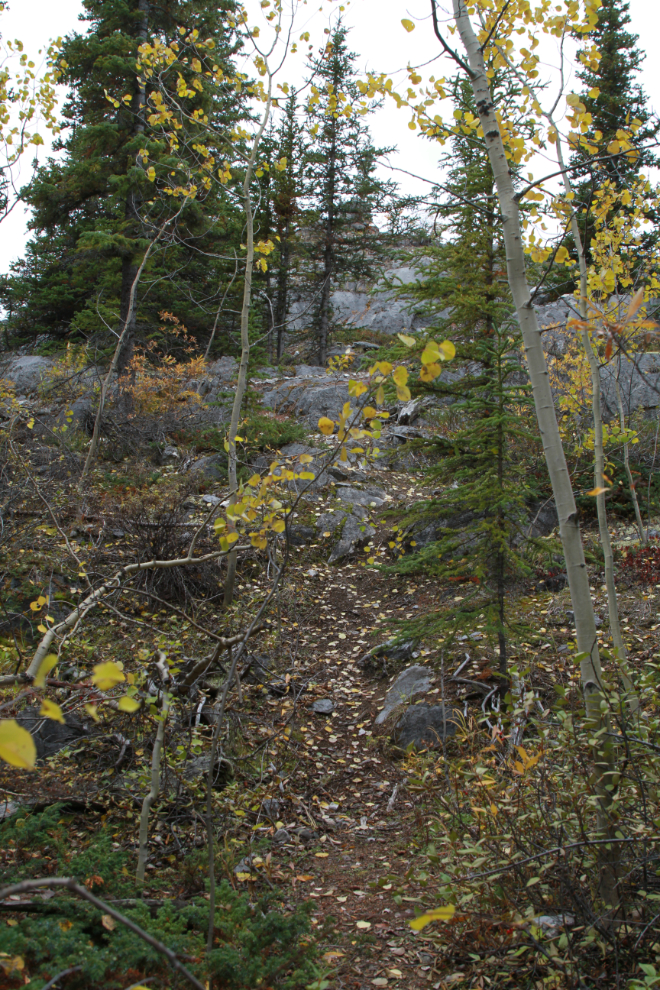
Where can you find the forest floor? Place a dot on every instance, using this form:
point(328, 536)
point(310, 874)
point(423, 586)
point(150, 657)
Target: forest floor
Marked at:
point(320, 808)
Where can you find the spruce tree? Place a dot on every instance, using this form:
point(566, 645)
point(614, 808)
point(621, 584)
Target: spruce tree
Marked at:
point(463, 293)
point(88, 206)
point(615, 100)
point(344, 194)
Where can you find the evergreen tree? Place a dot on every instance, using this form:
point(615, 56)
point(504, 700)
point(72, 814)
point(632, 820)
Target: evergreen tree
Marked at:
point(88, 208)
point(287, 192)
point(615, 101)
point(463, 293)
point(344, 194)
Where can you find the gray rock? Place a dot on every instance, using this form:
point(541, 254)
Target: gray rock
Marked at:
point(308, 399)
point(224, 369)
point(300, 536)
point(412, 681)
point(213, 467)
point(354, 532)
point(79, 415)
point(198, 767)
point(424, 726)
point(169, 455)
point(323, 706)
point(26, 373)
point(390, 651)
point(409, 412)
point(310, 371)
point(328, 522)
point(272, 808)
point(50, 736)
point(402, 434)
point(306, 834)
point(358, 496)
point(281, 836)
point(211, 500)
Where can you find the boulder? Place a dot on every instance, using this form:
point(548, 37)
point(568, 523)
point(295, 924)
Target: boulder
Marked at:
point(328, 522)
point(224, 369)
point(390, 651)
point(310, 371)
point(26, 373)
point(79, 415)
point(359, 496)
point(50, 736)
point(412, 681)
point(424, 726)
point(308, 399)
point(213, 467)
point(323, 706)
point(300, 536)
point(355, 531)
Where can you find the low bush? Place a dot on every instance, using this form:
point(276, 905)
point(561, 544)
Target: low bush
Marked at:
point(257, 942)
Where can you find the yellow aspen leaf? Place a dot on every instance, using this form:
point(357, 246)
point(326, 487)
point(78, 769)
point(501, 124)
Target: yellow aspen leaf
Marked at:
point(127, 704)
point(306, 475)
point(326, 426)
point(408, 25)
point(364, 925)
point(17, 745)
point(430, 354)
point(254, 480)
point(408, 341)
point(594, 93)
point(597, 491)
point(447, 350)
point(403, 393)
point(306, 458)
point(400, 376)
point(92, 712)
point(107, 675)
point(42, 628)
point(562, 255)
point(356, 388)
point(279, 526)
point(108, 922)
point(50, 710)
point(369, 412)
point(14, 964)
point(430, 372)
point(380, 395)
point(445, 913)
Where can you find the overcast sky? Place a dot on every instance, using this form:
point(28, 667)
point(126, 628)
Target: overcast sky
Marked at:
point(376, 34)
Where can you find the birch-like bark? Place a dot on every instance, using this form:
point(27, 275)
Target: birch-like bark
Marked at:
point(626, 461)
point(241, 384)
point(599, 451)
point(153, 790)
point(576, 569)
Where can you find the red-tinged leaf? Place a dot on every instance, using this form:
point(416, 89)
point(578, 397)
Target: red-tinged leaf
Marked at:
point(635, 303)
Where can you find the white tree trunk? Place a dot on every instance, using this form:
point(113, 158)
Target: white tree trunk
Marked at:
point(576, 569)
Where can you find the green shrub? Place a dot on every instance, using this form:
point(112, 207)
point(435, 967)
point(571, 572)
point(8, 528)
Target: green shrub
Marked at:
point(257, 943)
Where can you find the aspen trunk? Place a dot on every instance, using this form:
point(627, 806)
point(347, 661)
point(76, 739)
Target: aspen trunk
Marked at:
point(626, 462)
point(241, 384)
point(576, 569)
point(599, 454)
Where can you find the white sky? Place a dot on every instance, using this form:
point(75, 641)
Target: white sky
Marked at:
point(376, 35)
